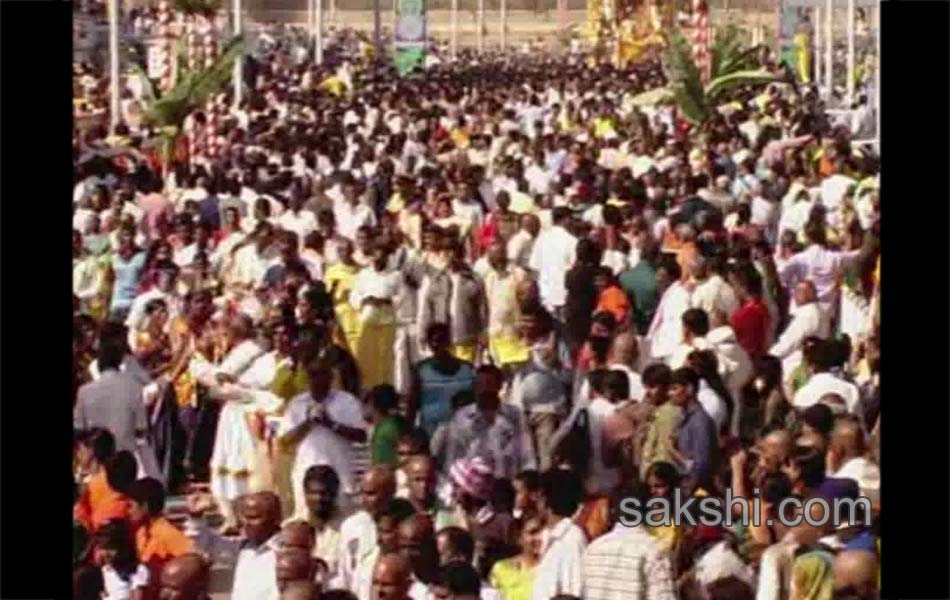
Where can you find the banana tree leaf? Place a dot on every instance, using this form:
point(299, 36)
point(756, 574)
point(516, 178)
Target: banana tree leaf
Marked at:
point(742, 60)
point(661, 95)
point(684, 79)
point(722, 84)
point(725, 46)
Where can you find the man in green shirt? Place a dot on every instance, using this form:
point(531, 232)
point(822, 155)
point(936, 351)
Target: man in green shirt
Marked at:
point(379, 411)
point(640, 285)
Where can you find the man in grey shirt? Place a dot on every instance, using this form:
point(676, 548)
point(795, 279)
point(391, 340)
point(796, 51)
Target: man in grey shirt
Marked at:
point(114, 401)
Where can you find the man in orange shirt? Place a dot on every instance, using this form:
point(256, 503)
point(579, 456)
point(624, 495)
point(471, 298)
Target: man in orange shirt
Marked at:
point(95, 448)
point(157, 541)
point(112, 501)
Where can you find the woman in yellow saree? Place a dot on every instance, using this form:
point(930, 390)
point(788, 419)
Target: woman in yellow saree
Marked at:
point(339, 280)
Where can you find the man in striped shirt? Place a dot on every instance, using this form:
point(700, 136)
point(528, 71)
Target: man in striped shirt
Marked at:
point(627, 563)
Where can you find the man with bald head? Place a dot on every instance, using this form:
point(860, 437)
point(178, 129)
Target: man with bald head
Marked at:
point(392, 578)
point(358, 532)
point(856, 575)
point(184, 578)
point(254, 554)
point(808, 320)
point(294, 564)
point(422, 476)
point(847, 457)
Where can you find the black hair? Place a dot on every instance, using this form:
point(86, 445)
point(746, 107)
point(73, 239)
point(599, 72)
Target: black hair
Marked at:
point(116, 535)
point(322, 474)
point(811, 463)
point(397, 509)
point(461, 541)
point(819, 417)
point(587, 252)
point(417, 436)
point(729, 588)
point(120, 471)
point(685, 376)
point(384, 398)
point(775, 487)
point(665, 472)
point(671, 267)
point(489, 368)
point(101, 442)
point(617, 384)
point(460, 578)
point(657, 374)
point(149, 493)
point(562, 490)
point(111, 353)
point(530, 478)
point(88, 583)
point(596, 380)
point(697, 321)
point(503, 496)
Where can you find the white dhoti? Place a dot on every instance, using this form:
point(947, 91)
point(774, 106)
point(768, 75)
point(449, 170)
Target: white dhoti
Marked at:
point(405, 354)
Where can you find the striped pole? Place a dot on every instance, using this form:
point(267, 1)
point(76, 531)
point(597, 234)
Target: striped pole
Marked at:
point(850, 29)
point(817, 52)
point(700, 38)
point(114, 106)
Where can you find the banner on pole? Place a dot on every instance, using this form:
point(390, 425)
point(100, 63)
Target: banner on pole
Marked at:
point(410, 36)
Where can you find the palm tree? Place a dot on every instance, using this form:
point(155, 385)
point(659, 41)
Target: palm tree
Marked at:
point(731, 66)
point(193, 87)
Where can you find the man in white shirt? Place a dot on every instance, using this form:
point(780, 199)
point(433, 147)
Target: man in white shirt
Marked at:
point(833, 188)
point(521, 244)
point(563, 542)
point(809, 320)
point(710, 291)
point(822, 383)
point(666, 329)
point(847, 457)
point(322, 424)
point(296, 219)
point(822, 266)
point(358, 539)
point(551, 257)
point(349, 213)
point(627, 562)
point(253, 555)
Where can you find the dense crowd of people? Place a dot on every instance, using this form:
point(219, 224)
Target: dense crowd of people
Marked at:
point(424, 337)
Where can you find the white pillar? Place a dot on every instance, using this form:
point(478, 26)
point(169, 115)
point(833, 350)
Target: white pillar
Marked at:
point(114, 105)
point(504, 24)
point(829, 46)
point(455, 28)
point(850, 30)
point(481, 26)
point(238, 29)
point(816, 54)
point(318, 47)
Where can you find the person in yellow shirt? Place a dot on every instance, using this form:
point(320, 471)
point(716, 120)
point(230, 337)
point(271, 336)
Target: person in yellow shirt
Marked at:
point(339, 280)
point(662, 479)
point(514, 577)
